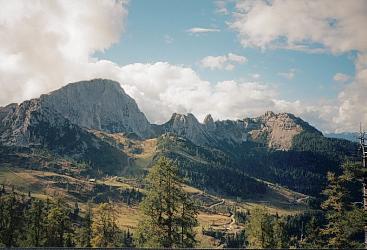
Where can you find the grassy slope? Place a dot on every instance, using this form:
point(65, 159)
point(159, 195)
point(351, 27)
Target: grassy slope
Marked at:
point(44, 184)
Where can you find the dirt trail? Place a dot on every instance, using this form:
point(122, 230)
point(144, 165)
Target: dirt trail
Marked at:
point(217, 204)
point(231, 215)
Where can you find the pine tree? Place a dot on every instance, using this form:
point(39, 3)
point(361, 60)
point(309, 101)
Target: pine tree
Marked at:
point(265, 231)
point(36, 224)
point(312, 233)
point(58, 224)
point(104, 229)
point(187, 221)
point(11, 220)
point(168, 214)
point(344, 220)
point(335, 211)
point(255, 231)
point(279, 236)
point(84, 237)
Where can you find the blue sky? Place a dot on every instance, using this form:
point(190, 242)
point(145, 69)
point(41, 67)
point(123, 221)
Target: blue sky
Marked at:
point(149, 23)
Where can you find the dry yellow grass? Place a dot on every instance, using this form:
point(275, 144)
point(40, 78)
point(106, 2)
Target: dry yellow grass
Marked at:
point(206, 219)
point(128, 217)
point(191, 190)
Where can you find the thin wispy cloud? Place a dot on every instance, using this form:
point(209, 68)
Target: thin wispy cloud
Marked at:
point(221, 7)
point(168, 39)
point(340, 77)
point(199, 30)
point(289, 74)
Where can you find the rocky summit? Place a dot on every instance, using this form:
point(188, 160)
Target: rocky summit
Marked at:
point(276, 131)
point(99, 104)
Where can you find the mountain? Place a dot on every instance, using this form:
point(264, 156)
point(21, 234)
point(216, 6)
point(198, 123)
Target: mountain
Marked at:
point(274, 130)
point(32, 124)
point(99, 104)
point(350, 136)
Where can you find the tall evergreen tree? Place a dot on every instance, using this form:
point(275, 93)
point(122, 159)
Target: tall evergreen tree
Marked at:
point(104, 228)
point(345, 221)
point(255, 231)
point(11, 220)
point(58, 224)
point(168, 214)
point(264, 230)
point(84, 235)
point(313, 237)
point(36, 224)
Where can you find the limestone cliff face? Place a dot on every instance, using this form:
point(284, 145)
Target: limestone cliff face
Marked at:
point(189, 127)
point(209, 133)
point(99, 104)
point(276, 131)
point(33, 124)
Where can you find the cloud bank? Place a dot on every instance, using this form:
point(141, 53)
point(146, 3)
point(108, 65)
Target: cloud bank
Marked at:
point(45, 44)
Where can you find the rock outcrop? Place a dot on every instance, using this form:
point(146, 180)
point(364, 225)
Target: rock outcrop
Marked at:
point(275, 131)
point(101, 105)
point(189, 127)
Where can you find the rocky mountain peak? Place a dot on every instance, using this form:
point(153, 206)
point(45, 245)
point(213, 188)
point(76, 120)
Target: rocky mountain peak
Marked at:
point(187, 126)
point(208, 119)
point(99, 104)
point(279, 130)
point(209, 122)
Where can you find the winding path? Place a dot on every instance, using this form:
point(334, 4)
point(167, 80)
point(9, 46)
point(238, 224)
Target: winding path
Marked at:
point(217, 204)
point(231, 215)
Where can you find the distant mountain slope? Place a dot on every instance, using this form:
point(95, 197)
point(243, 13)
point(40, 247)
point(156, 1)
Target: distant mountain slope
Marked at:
point(350, 136)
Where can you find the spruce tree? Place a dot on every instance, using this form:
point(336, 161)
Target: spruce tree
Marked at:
point(36, 224)
point(11, 220)
point(168, 214)
point(313, 238)
point(345, 221)
point(255, 231)
point(84, 237)
point(58, 224)
point(104, 228)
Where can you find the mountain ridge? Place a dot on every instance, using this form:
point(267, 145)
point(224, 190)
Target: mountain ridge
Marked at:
point(102, 104)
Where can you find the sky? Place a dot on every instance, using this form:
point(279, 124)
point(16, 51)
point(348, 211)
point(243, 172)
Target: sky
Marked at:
point(232, 59)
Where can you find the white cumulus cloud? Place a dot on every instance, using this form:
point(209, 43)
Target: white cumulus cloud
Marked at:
point(45, 44)
point(226, 62)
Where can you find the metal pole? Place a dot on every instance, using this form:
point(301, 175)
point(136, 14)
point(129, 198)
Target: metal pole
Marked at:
point(364, 161)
